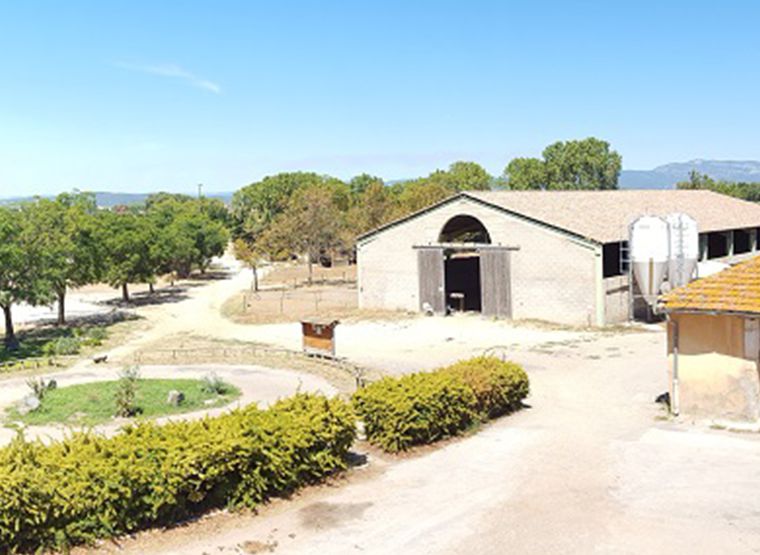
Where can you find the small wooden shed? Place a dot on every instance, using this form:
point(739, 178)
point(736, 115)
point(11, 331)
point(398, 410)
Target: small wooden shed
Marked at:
point(319, 336)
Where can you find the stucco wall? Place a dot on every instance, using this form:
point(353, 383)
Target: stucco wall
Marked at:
point(553, 275)
point(717, 366)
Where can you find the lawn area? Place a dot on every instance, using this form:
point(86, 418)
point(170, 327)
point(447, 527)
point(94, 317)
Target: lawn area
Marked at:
point(94, 403)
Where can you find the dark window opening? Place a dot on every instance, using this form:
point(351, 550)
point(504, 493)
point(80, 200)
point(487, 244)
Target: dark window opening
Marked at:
point(464, 229)
point(742, 241)
point(717, 244)
point(614, 259)
point(462, 275)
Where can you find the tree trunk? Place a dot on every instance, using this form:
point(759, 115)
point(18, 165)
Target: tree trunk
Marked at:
point(11, 342)
point(61, 306)
point(125, 292)
point(150, 288)
point(255, 279)
point(311, 264)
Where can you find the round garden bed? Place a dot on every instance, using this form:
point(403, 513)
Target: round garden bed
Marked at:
point(95, 402)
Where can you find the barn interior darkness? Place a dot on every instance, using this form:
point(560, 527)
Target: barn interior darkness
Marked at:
point(462, 265)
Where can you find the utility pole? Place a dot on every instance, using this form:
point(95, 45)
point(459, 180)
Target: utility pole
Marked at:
point(200, 190)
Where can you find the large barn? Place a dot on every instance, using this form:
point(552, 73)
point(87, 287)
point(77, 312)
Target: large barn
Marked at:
point(551, 255)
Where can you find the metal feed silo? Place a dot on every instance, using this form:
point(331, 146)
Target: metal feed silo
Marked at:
point(684, 248)
point(650, 250)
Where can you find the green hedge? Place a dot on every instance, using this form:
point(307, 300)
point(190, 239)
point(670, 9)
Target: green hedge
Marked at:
point(88, 487)
point(428, 406)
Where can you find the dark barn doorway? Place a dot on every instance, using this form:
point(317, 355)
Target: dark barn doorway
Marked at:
point(462, 265)
point(464, 272)
point(462, 279)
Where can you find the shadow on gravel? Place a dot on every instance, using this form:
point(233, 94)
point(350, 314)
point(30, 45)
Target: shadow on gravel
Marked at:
point(159, 297)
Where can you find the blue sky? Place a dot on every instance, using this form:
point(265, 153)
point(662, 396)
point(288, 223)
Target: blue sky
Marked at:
point(140, 96)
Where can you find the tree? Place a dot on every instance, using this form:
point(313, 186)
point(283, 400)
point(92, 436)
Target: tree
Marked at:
point(362, 182)
point(742, 190)
point(255, 206)
point(580, 164)
point(469, 176)
point(128, 243)
point(251, 255)
point(420, 193)
point(22, 258)
point(585, 164)
point(187, 236)
point(311, 225)
point(372, 208)
point(67, 228)
point(525, 173)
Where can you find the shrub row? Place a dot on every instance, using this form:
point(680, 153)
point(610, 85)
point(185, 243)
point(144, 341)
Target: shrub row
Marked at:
point(428, 406)
point(88, 487)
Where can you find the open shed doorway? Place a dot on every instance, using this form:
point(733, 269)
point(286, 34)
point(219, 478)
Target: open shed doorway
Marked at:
point(462, 281)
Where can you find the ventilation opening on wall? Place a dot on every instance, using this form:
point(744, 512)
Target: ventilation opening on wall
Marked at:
point(462, 279)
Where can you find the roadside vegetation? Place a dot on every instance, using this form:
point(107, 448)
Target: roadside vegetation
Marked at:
point(422, 408)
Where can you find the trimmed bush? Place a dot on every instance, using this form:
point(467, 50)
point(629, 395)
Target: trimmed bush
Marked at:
point(428, 406)
point(88, 487)
point(499, 386)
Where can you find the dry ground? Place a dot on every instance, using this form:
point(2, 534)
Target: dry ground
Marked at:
point(592, 466)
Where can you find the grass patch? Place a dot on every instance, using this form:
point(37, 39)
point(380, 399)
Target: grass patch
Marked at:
point(95, 402)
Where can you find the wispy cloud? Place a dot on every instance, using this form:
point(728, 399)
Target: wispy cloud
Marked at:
point(173, 71)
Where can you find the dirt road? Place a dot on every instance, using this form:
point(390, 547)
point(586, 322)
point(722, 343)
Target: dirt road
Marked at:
point(588, 468)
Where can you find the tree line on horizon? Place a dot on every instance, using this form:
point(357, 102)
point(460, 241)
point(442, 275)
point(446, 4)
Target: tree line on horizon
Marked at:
point(48, 246)
point(310, 214)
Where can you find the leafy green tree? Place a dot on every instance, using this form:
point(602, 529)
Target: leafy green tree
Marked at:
point(67, 227)
point(22, 260)
point(187, 235)
point(579, 164)
point(251, 255)
point(742, 190)
point(469, 176)
point(128, 243)
point(311, 224)
point(255, 206)
point(362, 182)
point(421, 193)
point(584, 164)
point(373, 207)
point(525, 173)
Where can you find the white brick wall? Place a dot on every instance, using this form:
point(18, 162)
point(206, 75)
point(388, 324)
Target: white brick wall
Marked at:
point(553, 275)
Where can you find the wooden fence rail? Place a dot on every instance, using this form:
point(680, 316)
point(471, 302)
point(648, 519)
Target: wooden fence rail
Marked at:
point(190, 353)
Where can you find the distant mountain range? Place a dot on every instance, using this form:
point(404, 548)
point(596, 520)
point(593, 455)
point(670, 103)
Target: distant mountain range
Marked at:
point(665, 177)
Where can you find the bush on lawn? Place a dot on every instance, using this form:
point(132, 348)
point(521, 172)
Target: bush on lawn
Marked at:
point(428, 406)
point(88, 487)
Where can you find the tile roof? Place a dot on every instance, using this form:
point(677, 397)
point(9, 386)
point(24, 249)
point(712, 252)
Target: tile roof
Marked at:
point(604, 216)
point(736, 289)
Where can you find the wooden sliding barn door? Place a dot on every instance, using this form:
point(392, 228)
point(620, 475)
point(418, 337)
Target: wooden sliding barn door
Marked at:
point(495, 283)
point(431, 275)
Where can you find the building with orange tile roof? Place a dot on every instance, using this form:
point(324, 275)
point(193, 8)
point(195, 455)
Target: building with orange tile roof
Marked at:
point(714, 344)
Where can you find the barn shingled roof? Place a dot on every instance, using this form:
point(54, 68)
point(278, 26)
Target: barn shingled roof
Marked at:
point(604, 216)
point(736, 289)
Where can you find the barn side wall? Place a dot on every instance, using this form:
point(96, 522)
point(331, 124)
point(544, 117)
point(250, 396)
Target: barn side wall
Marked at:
point(717, 366)
point(554, 276)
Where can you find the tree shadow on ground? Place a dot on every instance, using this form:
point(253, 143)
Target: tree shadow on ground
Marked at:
point(158, 297)
point(33, 340)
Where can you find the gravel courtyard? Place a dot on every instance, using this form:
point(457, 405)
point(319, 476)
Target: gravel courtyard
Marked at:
point(592, 466)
